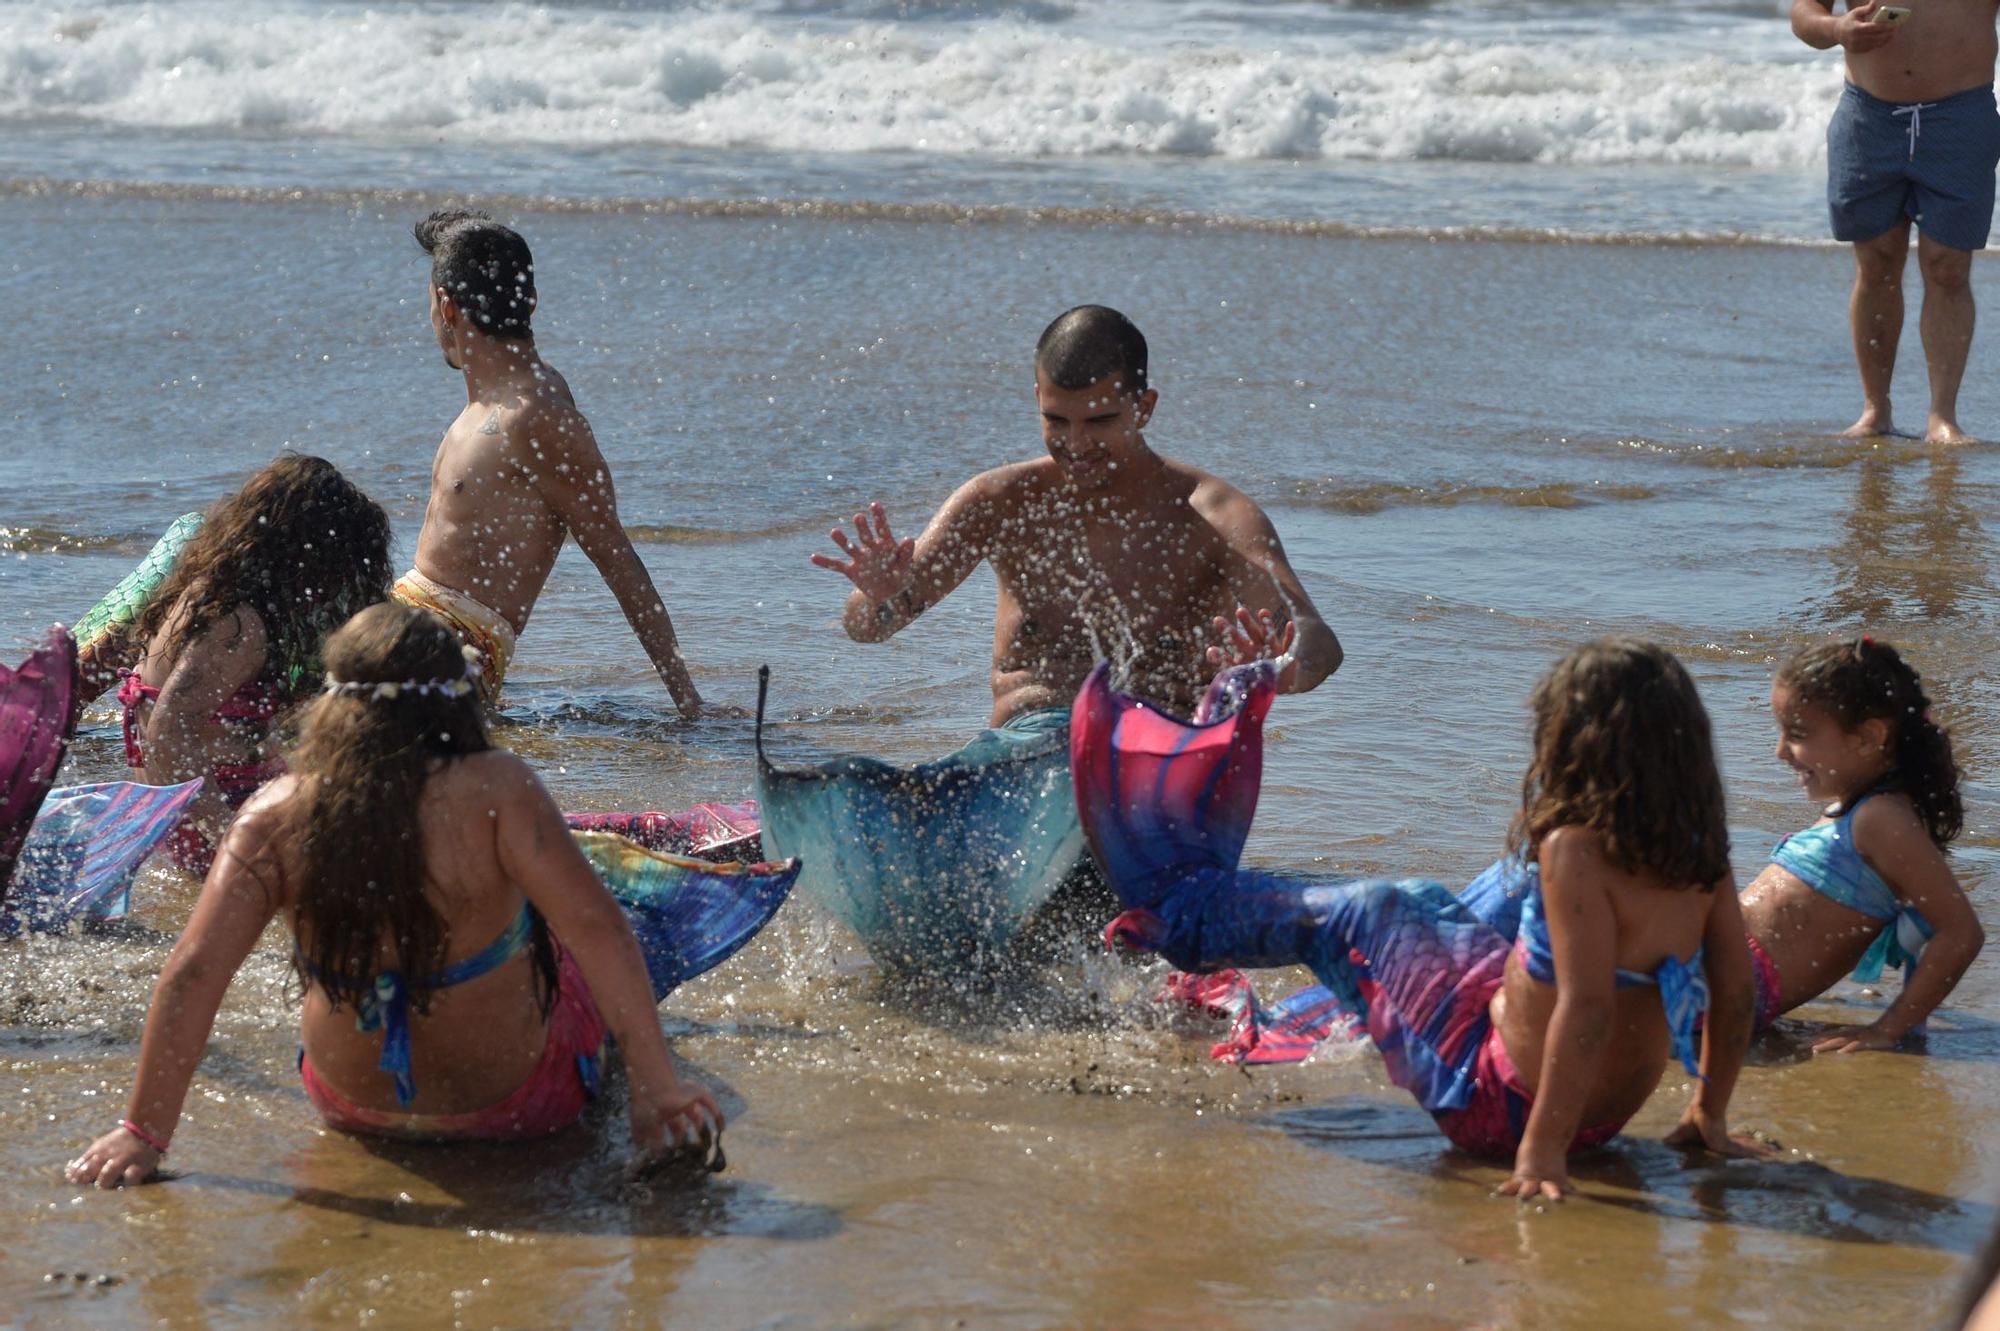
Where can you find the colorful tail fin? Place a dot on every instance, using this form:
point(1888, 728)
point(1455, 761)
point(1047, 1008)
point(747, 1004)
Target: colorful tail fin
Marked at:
point(938, 866)
point(83, 850)
point(690, 915)
point(1158, 794)
point(102, 643)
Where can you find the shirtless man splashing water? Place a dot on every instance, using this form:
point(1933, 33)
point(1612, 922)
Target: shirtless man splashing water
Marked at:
point(519, 469)
point(1915, 138)
point(1102, 547)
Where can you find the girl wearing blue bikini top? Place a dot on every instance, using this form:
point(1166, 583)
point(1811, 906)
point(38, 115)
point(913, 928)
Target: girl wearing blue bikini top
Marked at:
point(462, 963)
point(1867, 885)
point(1622, 809)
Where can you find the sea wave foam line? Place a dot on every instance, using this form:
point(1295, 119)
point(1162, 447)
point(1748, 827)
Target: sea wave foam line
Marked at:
point(1001, 87)
point(863, 210)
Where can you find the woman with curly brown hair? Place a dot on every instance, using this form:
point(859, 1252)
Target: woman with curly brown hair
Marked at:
point(233, 636)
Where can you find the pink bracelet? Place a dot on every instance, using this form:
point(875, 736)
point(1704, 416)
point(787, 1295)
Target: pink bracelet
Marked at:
point(143, 1135)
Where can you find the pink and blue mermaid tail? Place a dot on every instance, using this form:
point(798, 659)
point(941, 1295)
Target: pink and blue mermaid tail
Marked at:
point(1408, 959)
point(1158, 795)
point(37, 713)
point(1292, 1028)
point(939, 867)
point(1166, 806)
point(85, 847)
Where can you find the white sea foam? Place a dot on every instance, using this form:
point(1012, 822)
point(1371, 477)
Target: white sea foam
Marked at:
point(1009, 86)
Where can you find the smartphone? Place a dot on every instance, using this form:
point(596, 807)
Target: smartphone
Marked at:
point(1890, 15)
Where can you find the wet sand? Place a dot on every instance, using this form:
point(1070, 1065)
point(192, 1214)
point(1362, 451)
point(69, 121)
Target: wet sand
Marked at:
point(1478, 453)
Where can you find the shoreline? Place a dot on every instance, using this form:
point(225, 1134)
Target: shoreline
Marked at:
point(765, 208)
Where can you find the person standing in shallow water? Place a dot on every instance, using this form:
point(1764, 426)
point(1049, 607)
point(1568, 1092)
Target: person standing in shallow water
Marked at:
point(1103, 547)
point(1915, 139)
point(519, 469)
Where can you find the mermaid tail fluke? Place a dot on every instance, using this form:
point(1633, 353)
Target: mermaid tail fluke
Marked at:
point(85, 846)
point(100, 633)
point(1159, 795)
point(37, 703)
point(689, 915)
point(937, 867)
point(1167, 805)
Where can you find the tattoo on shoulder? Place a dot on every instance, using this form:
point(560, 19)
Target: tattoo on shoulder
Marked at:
point(492, 425)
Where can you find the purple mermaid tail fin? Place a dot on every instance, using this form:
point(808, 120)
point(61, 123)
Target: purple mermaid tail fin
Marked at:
point(36, 715)
point(1167, 807)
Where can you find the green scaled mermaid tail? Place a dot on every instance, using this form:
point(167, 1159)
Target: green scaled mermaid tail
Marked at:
point(99, 633)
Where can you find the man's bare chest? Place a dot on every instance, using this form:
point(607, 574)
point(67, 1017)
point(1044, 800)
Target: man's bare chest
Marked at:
point(1128, 572)
point(480, 465)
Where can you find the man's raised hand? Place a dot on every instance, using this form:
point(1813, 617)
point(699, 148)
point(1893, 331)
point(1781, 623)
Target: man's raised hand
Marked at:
point(1255, 637)
point(877, 563)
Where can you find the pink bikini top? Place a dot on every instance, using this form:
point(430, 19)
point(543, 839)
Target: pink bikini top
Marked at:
point(255, 704)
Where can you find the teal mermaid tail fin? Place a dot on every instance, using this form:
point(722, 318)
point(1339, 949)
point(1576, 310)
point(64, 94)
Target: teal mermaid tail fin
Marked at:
point(938, 866)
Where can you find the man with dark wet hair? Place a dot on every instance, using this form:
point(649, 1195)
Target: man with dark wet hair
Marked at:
point(1090, 343)
point(484, 267)
point(519, 470)
point(1101, 548)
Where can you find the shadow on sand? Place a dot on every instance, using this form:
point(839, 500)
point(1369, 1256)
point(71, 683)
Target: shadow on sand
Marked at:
point(1640, 1174)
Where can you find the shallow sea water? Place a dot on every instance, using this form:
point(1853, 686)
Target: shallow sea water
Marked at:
point(1478, 454)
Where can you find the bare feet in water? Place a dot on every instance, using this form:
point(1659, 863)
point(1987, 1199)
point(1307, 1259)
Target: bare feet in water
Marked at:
point(1944, 430)
point(1876, 422)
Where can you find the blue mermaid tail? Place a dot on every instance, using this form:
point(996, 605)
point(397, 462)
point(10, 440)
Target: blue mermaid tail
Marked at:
point(37, 711)
point(690, 915)
point(936, 867)
point(83, 850)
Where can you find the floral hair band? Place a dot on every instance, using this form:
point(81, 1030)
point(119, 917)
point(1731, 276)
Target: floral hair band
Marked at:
point(388, 690)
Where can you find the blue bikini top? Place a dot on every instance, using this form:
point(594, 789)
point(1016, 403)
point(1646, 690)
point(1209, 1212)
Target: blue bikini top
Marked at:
point(385, 1006)
point(1683, 985)
point(1825, 858)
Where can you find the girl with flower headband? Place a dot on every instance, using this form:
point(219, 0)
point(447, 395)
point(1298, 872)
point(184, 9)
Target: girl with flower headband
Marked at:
point(1867, 885)
point(232, 637)
point(448, 930)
